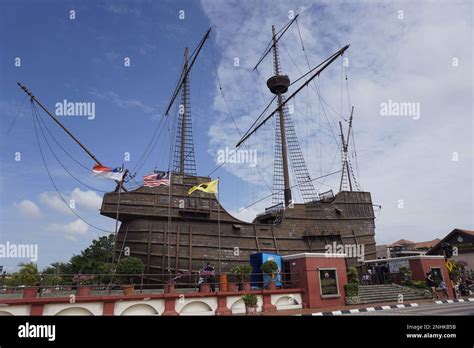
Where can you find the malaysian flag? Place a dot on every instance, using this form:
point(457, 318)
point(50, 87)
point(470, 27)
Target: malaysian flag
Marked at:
point(156, 179)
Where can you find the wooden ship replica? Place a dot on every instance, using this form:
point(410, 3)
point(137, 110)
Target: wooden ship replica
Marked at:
point(172, 231)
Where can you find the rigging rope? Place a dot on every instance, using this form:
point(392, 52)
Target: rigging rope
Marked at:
point(233, 120)
point(313, 85)
point(16, 115)
point(34, 116)
point(261, 199)
point(56, 157)
point(61, 147)
point(149, 149)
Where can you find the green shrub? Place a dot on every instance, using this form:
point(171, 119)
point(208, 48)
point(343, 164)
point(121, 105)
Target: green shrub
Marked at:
point(250, 300)
point(351, 289)
point(421, 284)
point(406, 283)
point(406, 274)
point(269, 267)
point(353, 276)
point(242, 272)
point(130, 266)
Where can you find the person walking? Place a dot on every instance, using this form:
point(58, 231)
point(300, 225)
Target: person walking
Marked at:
point(431, 284)
point(442, 286)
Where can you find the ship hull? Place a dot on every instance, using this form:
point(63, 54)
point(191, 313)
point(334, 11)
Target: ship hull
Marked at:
point(195, 229)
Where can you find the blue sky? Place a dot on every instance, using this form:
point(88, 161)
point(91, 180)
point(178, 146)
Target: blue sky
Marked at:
point(82, 60)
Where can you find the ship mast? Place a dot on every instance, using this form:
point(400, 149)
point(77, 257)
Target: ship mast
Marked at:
point(346, 174)
point(286, 141)
point(184, 159)
point(278, 84)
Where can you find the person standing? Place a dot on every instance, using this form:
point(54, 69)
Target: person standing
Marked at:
point(442, 286)
point(211, 276)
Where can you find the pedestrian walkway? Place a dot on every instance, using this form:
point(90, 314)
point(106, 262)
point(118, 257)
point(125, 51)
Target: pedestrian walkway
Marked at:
point(338, 310)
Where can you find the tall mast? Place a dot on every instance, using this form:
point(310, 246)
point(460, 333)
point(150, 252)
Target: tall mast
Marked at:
point(184, 160)
point(185, 107)
point(278, 85)
point(346, 174)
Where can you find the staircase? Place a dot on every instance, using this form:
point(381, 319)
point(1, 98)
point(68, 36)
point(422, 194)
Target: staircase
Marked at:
point(388, 293)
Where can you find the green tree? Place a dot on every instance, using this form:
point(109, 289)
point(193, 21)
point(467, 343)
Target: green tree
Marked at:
point(28, 275)
point(56, 273)
point(130, 266)
point(93, 258)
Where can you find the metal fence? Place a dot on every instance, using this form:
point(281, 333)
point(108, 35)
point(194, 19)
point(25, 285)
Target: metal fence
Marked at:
point(100, 284)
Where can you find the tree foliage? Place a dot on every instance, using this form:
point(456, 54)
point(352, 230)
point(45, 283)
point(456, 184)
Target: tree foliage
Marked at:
point(269, 267)
point(130, 266)
point(242, 272)
point(353, 276)
point(28, 275)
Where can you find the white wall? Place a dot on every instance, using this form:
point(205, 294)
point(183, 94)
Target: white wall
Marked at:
point(150, 307)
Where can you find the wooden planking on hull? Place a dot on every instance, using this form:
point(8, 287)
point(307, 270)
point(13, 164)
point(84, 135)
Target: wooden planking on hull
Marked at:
point(347, 218)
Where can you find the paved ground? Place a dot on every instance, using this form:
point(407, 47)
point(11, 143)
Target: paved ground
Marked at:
point(461, 308)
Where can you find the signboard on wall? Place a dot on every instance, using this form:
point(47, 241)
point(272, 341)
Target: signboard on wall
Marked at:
point(328, 281)
point(395, 265)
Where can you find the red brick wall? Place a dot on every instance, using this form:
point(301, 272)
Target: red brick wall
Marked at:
point(422, 266)
point(308, 272)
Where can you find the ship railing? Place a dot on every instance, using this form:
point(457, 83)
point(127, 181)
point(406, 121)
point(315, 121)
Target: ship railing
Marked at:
point(273, 209)
point(57, 285)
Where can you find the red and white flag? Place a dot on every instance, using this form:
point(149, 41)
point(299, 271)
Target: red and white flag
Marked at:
point(107, 172)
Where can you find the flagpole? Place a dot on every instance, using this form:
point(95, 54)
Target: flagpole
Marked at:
point(219, 222)
point(117, 215)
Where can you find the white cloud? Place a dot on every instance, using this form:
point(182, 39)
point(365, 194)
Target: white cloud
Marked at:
point(28, 209)
point(408, 60)
point(72, 230)
point(87, 199)
point(124, 103)
point(53, 201)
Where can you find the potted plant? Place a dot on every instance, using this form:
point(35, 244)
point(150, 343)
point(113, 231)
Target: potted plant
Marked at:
point(270, 268)
point(351, 289)
point(28, 277)
point(8, 284)
point(242, 272)
point(131, 268)
point(84, 282)
point(250, 301)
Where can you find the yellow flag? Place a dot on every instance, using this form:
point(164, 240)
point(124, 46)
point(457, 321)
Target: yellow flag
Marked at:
point(209, 187)
point(449, 265)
